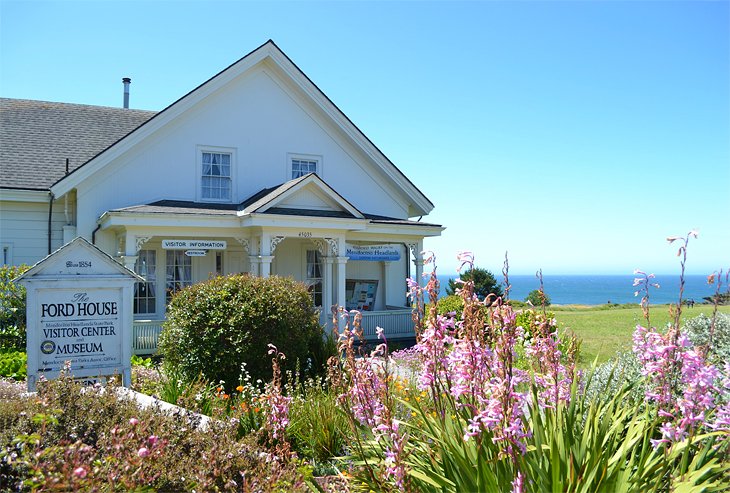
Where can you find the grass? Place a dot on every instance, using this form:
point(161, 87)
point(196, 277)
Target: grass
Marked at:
point(607, 330)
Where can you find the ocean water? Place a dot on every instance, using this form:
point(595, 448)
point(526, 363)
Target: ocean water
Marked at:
point(601, 289)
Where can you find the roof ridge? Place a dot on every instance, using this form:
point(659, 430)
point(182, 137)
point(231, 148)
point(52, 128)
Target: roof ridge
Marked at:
point(61, 103)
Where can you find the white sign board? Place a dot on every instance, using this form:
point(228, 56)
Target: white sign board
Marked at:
point(373, 253)
point(195, 253)
point(194, 244)
point(79, 310)
point(83, 327)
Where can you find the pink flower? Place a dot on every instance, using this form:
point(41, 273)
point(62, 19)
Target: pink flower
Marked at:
point(80, 472)
point(133, 421)
point(143, 452)
point(152, 440)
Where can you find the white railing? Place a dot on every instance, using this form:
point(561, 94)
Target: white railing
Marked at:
point(145, 334)
point(396, 324)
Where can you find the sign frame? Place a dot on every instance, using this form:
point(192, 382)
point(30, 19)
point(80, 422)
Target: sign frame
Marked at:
point(79, 309)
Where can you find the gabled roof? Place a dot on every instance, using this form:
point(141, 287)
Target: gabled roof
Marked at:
point(272, 200)
point(46, 134)
point(270, 53)
point(276, 199)
point(55, 264)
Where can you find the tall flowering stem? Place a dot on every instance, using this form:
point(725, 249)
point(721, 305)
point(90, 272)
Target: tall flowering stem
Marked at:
point(277, 417)
point(643, 284)
point(469, 368)
point(682, 254)
point(367, 396)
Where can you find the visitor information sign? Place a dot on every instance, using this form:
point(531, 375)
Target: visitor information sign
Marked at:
point(79, 312)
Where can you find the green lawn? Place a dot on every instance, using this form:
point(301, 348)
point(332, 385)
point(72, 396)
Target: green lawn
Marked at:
point(605, 331)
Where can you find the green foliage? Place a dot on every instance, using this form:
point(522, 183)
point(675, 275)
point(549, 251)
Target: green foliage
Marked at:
point(484, 283)
point(140, 361)
point(13, 364)
point(602, 443)
point(699, 329)
point(449, 304)
point(215, 326)
point(538, 298)
point(45, 438)
point(318, 427)
point(530, 320)
point(12, 308)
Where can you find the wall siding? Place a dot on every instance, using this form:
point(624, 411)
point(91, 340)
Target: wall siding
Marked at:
point(24, 226)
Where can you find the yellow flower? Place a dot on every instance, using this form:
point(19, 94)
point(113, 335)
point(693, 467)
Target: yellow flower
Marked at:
point(239, 388)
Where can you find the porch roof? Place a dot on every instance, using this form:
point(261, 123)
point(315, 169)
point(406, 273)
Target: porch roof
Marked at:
point(183, 207)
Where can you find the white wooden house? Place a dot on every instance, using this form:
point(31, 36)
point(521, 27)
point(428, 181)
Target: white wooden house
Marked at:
point(255, 170)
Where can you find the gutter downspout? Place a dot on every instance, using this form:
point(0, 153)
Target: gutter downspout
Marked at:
point(50, 214)
point(93, 234)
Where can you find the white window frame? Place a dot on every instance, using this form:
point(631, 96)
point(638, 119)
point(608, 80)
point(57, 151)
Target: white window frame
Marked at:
point(291, 157)
point(315, 285)
point(199, 172)
point(148, 286)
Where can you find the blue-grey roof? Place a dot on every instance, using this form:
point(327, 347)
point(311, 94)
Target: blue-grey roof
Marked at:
point(36, 137)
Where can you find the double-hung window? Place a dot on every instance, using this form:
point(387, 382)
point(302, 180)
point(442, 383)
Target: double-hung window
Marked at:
point(179, 272)
point(145, 300)
point(216, 181)
point(314, 276)
point(301, 167)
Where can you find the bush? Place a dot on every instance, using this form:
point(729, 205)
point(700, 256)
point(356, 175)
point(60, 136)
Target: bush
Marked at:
point(484, 283)
point(530, 320)
point(538, 298)
point(71, 438)
point(12, 309)
point(13, 364)
point(449, 304)
point(215, 326)
point(698, 331)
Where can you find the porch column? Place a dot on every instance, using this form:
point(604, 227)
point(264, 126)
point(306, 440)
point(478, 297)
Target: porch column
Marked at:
point(132, 244)
point(327, 290)
point(341, 271)
point(417, 251)
point(266, 265)
point(265, 257)
point(253, 265)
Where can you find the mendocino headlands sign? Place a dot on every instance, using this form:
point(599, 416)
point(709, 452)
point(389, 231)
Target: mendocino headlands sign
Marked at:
point(79, 309)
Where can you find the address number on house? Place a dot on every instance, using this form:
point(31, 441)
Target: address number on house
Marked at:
point(194, 244)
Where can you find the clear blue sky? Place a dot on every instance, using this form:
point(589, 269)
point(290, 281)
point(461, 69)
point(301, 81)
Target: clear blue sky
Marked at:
point(575, 135)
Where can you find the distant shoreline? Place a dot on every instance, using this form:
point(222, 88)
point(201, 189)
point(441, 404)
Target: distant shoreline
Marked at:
point(600, 290)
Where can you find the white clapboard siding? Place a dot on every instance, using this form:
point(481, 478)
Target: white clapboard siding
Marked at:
point(24, 227)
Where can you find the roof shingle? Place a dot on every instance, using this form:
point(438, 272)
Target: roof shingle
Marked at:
point(38, 136)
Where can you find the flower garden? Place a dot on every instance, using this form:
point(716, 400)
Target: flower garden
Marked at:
point(491, 401)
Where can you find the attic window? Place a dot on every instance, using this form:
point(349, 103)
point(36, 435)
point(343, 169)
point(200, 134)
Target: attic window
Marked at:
point(216, 180)
point(301, 167)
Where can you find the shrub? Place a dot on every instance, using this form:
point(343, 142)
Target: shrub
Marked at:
point(13, 364)
point(530, 320)
point(70, 438)
point(538, 298)
point(484, 283)
point(12, 308)
point(215, 326)
point(449, 304)
point(698, 330)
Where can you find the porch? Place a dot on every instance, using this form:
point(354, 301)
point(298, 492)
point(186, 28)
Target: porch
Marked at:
point(396, 323)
